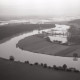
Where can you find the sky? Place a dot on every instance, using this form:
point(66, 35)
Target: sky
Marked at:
point(40, 7)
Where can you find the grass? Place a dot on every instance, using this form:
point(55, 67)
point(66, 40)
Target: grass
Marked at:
point(10, 70)
point(39, 44)
point(14, 29)
point(69, 51)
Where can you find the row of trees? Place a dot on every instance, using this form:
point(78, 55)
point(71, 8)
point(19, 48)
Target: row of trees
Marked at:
point(60, 68)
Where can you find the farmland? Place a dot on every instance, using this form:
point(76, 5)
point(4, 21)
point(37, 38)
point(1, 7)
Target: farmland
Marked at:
point(15, 29)
point(38, 44)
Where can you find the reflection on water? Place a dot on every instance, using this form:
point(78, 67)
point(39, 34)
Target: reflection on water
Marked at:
point(9, 48)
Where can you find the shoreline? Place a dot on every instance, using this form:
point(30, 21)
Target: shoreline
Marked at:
point(9, 38)
point(24, 44)
point(9, 48)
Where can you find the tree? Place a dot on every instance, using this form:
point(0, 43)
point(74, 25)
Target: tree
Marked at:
point(75, 55)
point(54, 66)
point(36, 63)
point(64, 66)
point(45, 65)
point(27, 62)
point(41, 64)
point(11, 58)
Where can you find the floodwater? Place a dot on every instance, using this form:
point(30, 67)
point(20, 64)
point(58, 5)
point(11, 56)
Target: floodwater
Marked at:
point(9, 48)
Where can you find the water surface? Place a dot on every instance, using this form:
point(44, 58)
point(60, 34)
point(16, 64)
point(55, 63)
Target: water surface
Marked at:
point(8, 48)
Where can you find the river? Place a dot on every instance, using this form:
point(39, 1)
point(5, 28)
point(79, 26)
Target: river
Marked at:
point(8, 48)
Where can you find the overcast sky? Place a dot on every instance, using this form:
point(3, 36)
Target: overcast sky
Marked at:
point(40, 7)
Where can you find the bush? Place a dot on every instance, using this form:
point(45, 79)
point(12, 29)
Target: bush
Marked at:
point(11, 58)
point(45, 65)
point(72, 69)
point(60, 68)
point(54, 66)
point(36, 63)
point(31, 64)
point(64, 66)
point(77, 71)
point(26, 62)
point(49, 67)
point(41, 64)
point(68, 70)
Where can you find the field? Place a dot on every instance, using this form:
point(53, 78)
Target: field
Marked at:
point(15, 29)
point(39, 44)
point(10, 70)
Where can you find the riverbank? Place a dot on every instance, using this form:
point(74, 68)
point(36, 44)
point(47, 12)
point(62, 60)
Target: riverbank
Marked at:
point(15, 29)
point(9, 49)
point(10, 70)
point(38, 44)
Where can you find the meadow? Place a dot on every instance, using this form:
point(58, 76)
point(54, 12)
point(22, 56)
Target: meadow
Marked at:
point(15, 29)
point(11, 70)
